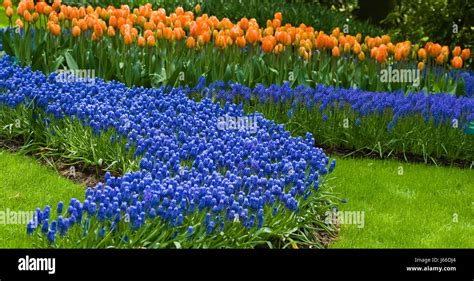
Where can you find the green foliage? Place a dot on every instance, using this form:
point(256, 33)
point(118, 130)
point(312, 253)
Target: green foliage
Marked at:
point(66, 138)
point(433, 20)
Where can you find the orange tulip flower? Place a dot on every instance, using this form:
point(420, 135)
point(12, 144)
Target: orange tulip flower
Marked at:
point(7, 3)
point(466, 53)
point(278, 16)
point(111, 31)
point(422, 54)
point(267, 44)
point(421, 65)
point(150, 41)
point(252, 35)
point(457, 62)
point(190, 42)
point(440, 59)
point(240, 41)
point(456, 51)
point(141, 41)
point(76, 31)
point(9, 12)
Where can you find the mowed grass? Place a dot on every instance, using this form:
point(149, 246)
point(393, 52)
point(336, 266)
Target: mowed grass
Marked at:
point(25, 185)
point(405, 205)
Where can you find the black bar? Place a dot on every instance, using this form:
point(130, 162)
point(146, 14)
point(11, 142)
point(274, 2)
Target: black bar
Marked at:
point(241, 264)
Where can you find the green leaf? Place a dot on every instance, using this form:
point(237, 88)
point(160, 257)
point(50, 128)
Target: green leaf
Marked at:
point(7, 43)
point(71, 62)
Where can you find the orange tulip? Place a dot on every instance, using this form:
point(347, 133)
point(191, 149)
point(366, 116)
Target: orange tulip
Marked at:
point(356, 48)
point(76, 31)
point(198, 8)
point(9, 12)
point(347, 48)
point(190, 42)
point(456, 51)
point(267, 45)
point(361, 56)
point(457, 62)
point(127, 38)
point(244, 23)
point(55, 29)
point(421, 65)
point(28, 17)
point(111, 31)
point(278, 16)
point(150, 41)
point(385, 39)
point(466, 53)
point(220, 41)
point(381, 55)
point(435, 50)
point(252, 35)
point(440, 59)
point(179, 11)
point(141, 41)
point(7, 3)
point(422, 54)
point(336, 52)
point(19, 23)
point(445, 51)
point(240, 41)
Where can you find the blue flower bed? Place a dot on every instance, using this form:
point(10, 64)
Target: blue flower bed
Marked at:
point(190, 168)
point(430, 126)
point(440, 107)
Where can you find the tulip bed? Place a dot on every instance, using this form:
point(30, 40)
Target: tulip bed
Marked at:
point(151, 48)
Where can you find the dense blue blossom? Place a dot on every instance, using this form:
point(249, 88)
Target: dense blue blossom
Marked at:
point(232, 173)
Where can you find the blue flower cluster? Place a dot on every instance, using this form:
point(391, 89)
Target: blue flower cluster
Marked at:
point(188, 165)
point(441, 108)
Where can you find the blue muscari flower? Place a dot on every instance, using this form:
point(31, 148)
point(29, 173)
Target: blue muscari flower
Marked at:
point(47, 212)
point(51, 236)
point(152, 213)
point(60, 207)
point(333, 165)
point(210, 227)
point(45, 227)
point(30, 228)
point(190, 230)
point(102, 232)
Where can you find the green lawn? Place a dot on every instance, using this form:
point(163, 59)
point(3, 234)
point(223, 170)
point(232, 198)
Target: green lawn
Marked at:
point(24, 186)
point(424, 207)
